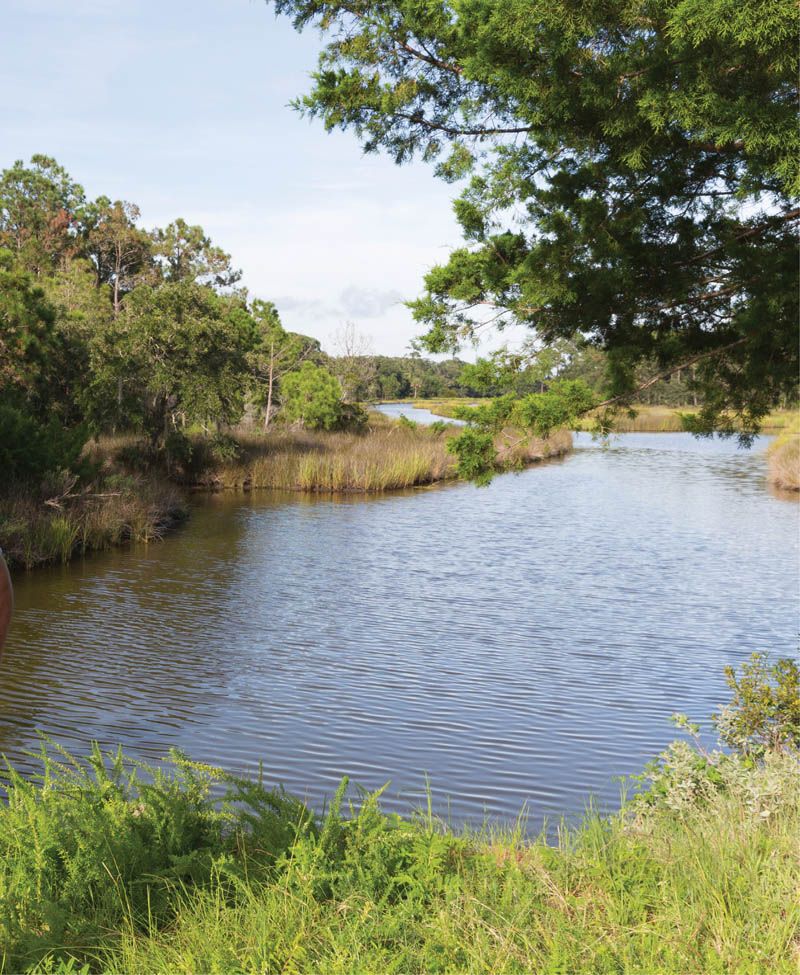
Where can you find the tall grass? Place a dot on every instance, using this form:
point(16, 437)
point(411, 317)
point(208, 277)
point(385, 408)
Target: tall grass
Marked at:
point(37, 527)
point(144, 872)
point(648, 419)
point(783, 463)
point(389, 455)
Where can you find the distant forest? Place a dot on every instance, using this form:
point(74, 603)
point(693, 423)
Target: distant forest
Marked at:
point(109, 327)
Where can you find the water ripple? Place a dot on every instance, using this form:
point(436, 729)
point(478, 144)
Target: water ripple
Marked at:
point(520, 644)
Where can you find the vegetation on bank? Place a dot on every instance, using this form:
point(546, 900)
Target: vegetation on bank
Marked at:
point(115, 868)
point(130, 489)
point(647, 419)
point(60, 519)
point(386, 455)
point(783, 464)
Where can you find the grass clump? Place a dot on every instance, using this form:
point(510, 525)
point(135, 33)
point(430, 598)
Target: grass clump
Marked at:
point(669, 419)
point(783, 463)
point(127, 870)
point(64, 516)
point(386, 456)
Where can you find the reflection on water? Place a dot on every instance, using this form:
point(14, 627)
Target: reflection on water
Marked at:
point(524, 642)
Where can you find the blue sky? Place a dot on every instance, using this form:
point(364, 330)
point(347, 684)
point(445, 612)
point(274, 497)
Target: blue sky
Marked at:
point(181, 106)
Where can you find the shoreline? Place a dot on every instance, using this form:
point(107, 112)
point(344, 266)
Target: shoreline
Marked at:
point(121, 507)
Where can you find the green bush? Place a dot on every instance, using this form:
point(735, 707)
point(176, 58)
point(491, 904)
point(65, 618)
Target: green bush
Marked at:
point(31, 449)
point(476, 455)
point(353, 418)
point(224, 448)
point(312, 397)
point(764, 713)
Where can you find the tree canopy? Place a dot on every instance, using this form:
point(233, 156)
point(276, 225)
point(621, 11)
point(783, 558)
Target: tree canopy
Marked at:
point(631, 172)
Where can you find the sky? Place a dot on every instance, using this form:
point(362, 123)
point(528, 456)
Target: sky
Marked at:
point(182, 107)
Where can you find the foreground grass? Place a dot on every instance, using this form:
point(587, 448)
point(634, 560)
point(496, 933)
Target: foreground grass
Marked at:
point(119, 873)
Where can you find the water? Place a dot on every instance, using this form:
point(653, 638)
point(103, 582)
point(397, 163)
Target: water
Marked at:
point(411, 412)
point(521, 643)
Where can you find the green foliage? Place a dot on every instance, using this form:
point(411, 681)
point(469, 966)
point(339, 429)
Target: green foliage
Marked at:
point(31, 448)
point(181, 345)
point(760, 724)
point(562, 404)
point(186, 254)
point(41, 209)
point(764, 713)
point(28, 342)
point(312, 397)
point(632, 172)
point(537, 414)
point(353, 418)
point(120, 867)
point(102, 844)
point(224, 448)
point(476, 455)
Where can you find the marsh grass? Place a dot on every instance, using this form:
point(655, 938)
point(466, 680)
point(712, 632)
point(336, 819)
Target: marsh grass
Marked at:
point(37, 528)
point(648, 419)
point(667, 419)
point(134, 494)
point(143, 871)
point(783, 463)
point(389, 455)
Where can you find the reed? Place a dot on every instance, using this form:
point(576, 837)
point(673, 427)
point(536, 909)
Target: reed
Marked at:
point(783, 458)
point(37, 527)
point(388, 456)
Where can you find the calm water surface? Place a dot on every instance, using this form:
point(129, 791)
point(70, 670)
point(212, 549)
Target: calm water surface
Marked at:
point(521, 643)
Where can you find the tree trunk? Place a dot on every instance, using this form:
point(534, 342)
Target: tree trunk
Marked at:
point(269, 386)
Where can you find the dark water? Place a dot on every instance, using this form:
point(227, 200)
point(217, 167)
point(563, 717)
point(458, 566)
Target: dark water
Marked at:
point(521, 643)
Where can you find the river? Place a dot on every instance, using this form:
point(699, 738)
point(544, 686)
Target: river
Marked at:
point(520, 644)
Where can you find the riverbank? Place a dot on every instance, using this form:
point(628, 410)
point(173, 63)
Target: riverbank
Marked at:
point(107, 872)
point(389, 455)
point(783, 462)
point(63, 518)
point(648, 419)
point(137, 493)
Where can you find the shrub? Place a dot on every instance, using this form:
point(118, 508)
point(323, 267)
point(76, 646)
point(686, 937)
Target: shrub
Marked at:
point(764, 713)
point(312, 397)
point(353, 418)
point(224, 448)
point(760, 724)
point(30, 449)
point(178, 451)
point(476, 454)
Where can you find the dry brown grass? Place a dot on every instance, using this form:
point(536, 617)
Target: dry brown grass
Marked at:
point(49, 525)
point(783, 464)
point(388, 456)
point(383, 458)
